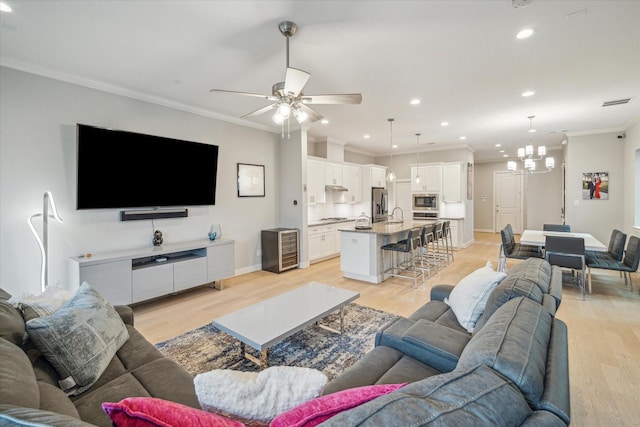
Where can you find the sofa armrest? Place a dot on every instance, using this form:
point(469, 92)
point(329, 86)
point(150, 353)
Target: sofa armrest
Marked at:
point(11, 415)
point(126, 314)
point(440, 292)
point(437, 345)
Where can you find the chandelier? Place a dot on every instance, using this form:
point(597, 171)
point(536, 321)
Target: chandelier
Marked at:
point(526, 155)
point(391, 176)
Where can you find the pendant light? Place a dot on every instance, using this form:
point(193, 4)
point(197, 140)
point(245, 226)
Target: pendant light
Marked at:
point(418, 160)
point(391, 176)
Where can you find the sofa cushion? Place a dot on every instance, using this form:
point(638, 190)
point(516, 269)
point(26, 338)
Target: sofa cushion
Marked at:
point(469, 296)
point(537, 270)
point(507, 290)
point(52, 398)
point(315, 411)
point(440, 313)
point(514, 342)
point(435, 345)
point(15, 416)
point(153, 412)
point(80, 338)
point(473, 397)
point(12, 326)
point(18, 384)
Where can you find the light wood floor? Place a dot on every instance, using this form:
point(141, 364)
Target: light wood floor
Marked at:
point(604, 330)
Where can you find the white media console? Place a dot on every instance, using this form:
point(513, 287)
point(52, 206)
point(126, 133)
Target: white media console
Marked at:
point(136, 275)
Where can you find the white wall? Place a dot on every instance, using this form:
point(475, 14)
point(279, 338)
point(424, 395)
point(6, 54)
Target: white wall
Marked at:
point(632, 179)
point(37, 153)
point(596, 153)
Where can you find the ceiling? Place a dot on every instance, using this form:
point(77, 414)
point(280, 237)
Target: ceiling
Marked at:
point(460, 58)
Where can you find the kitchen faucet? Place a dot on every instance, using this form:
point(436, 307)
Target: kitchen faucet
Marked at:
point(393, 213)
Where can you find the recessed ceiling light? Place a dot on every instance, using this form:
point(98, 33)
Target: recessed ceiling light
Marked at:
point(532, 130)
point(5, 7)
point(463, 138)
point(415, 101)
point(527, 32)
point(444, 124)
point(366, 136)
point(394, 146)
point(505, 155)
point(528, 93)
point(498, 145)
point(501, 151)
point(324, 121)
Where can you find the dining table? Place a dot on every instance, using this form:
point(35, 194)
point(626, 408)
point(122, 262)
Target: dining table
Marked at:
point(537, 238)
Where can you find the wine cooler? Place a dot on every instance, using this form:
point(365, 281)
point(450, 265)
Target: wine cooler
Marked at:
point(280, 249)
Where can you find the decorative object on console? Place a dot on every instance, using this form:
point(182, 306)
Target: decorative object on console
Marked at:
point(258, 396)
point(44, 242)
point(526, 155)
point(157, 238)
point(212, 235)
point(391, 176)
point(250, 180)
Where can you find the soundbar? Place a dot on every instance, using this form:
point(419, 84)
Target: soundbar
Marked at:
point(153, 214)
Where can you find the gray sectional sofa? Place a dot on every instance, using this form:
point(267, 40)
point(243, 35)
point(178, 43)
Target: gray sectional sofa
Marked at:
point(29, 390)
point(512, 370)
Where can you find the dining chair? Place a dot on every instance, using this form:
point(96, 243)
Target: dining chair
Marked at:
point(628, 264)
point(567, 252)
point(556, 227)
point(609, 260)
point(510, 249)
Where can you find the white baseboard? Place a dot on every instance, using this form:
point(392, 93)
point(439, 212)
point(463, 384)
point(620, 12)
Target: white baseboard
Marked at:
point(481, 230)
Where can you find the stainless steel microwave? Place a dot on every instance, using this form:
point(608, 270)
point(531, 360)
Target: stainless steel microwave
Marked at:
point(425, 202)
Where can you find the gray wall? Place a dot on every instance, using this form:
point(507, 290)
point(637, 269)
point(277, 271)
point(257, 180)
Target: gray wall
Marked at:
point(37, 153)
point(596, 153)
point(542, 196)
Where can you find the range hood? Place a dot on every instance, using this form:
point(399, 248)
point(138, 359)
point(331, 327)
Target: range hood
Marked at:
point(335, 188)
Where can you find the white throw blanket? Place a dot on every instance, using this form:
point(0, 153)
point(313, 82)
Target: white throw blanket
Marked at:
point(258, 396)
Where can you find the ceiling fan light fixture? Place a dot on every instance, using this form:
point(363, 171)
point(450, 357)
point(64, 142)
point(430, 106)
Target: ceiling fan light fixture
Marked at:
point(284, 110)
point(301, 116)
point(277, 119)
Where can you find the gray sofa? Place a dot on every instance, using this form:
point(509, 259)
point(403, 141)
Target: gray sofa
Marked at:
point(512, 370)
point(29, 390)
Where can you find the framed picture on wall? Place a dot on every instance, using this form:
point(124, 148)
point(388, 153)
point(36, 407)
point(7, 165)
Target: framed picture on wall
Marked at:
point(469, 181)
point(250, 180)
point(595, 186)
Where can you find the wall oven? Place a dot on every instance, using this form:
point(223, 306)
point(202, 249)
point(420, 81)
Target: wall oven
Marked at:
point(425, 202)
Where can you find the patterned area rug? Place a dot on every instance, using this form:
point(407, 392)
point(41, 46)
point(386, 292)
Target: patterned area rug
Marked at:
point(208, 348)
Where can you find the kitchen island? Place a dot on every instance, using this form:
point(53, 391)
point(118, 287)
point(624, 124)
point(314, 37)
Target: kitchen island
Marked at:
point(361, 256)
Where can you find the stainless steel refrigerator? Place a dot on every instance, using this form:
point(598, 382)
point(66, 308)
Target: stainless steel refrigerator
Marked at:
point(379, 211)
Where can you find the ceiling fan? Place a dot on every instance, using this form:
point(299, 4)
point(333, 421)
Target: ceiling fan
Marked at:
point(287, 96)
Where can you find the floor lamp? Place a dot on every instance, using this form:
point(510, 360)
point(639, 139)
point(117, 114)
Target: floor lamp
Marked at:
point(44, 242)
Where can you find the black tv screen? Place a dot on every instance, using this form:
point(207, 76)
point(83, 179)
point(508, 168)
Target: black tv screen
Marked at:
point(119, 169)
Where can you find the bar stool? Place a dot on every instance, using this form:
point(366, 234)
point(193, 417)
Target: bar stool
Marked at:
point(427, 250)
point(448, 239)
point(403, 258)
point(438, 238)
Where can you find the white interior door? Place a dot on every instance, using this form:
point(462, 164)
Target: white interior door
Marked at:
point(508, 196)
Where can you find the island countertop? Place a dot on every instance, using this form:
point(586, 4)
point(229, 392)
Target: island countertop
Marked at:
point(387, 229)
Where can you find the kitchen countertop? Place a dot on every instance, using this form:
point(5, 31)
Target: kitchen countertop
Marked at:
point(386, 228)
point(317, 222)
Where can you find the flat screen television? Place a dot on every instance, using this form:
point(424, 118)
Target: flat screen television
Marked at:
point(118, 169)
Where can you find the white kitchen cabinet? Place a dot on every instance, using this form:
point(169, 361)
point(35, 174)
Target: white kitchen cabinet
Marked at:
point(352, 180)
point(322, 241)
point(333, 174)
point(378, 176)
point(453, 227)
point(316, 181)
point(452, 182)
point(430, 178)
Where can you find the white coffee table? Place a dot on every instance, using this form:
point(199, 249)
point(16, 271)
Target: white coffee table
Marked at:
point(269, 322)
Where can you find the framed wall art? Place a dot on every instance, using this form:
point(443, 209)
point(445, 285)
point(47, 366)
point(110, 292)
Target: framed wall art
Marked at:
point(469, 181)
point(595, 186)
point(250, 180)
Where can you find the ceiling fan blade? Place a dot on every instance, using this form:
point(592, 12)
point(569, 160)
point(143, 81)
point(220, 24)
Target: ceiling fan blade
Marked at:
point(258, 112)
point(255, 95)
point(313, 115)
point(344, 98)
point(294, 81)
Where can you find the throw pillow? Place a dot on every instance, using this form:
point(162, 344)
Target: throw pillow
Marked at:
point(258, 395)
point(79, 339)
point(316, 411)
point(469, 296)
point(154, 412)
point(45, 304)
